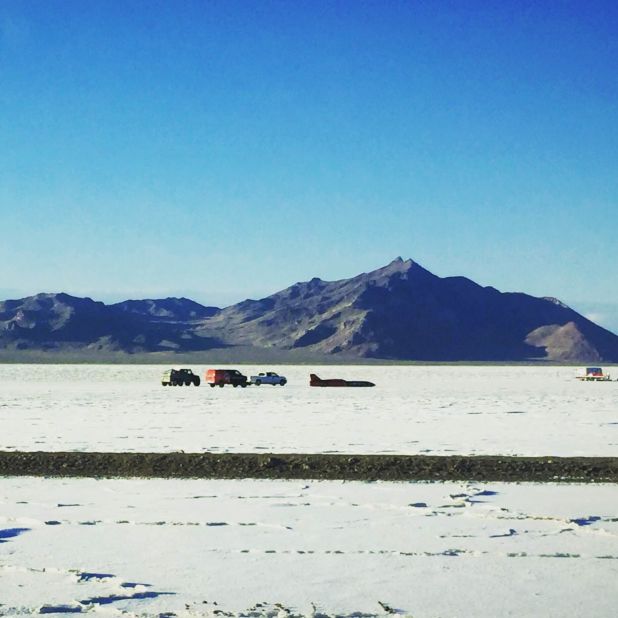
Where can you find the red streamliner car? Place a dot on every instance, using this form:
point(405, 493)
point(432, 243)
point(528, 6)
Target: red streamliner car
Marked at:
point(316, 381)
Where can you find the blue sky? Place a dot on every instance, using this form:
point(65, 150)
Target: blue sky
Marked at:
point(226, 149)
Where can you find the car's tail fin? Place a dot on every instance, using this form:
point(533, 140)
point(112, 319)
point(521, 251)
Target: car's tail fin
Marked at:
point(313, 379)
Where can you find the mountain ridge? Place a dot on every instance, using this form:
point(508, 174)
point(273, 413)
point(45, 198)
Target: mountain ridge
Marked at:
point(400, 311)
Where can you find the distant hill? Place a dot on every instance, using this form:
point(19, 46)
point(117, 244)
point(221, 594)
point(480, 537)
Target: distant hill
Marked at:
point(398, 312)
point(63, 323)
point(166, 309)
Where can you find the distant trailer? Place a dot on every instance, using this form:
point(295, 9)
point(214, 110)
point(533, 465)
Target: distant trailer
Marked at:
point(594, 374)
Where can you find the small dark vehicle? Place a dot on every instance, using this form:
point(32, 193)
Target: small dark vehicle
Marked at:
point(221, 377)
point(180, 377)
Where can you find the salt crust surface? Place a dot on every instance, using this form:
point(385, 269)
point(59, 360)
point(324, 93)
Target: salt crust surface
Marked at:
point(439, 410)
point(271, 548)
point(150, 547)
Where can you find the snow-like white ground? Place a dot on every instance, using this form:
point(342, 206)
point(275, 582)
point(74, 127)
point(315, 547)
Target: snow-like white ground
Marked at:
point(195, 547)
point(266, 548)
point(413, 409)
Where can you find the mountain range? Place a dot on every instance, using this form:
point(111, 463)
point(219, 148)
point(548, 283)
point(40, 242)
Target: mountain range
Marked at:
point(398, 312)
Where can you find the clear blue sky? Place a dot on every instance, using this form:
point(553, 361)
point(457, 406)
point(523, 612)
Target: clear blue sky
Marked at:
point(226, 149)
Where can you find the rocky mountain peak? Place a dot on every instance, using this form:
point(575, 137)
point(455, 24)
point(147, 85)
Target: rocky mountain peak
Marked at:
point(556, 301)
point(397, 271)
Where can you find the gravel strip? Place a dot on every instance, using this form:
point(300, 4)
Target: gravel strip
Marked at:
point(309, 466)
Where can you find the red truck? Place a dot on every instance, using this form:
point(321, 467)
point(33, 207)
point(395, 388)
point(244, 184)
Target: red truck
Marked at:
point(221, 377)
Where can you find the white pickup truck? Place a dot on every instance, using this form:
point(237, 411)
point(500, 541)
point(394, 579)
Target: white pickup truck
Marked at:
point(269, 377)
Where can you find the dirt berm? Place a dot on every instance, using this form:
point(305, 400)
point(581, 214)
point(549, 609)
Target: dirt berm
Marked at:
point(310, 466)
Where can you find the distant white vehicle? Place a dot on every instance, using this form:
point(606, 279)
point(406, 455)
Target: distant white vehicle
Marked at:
point(269, 377)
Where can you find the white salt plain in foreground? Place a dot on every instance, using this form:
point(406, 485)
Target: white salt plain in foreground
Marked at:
point(439, 410)
point(177, 547)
